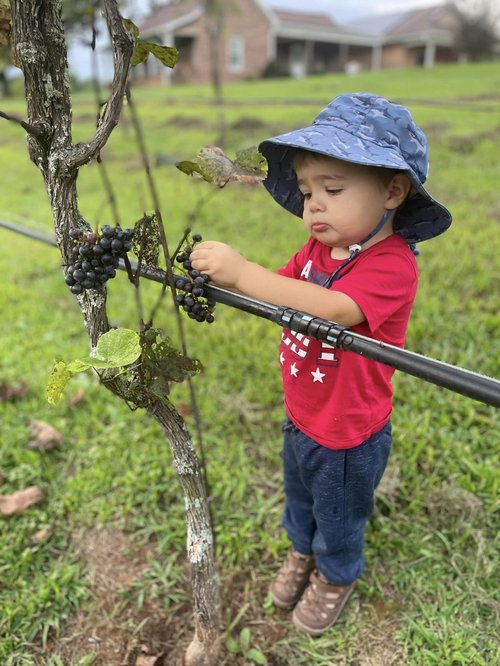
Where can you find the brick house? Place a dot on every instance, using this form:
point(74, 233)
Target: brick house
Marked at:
point(255, 39)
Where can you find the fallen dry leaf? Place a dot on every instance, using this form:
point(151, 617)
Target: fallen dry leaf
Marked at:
point(12, 390)
point(46, 436)
point(77, 397)
point(20, 501)
point(41, 535)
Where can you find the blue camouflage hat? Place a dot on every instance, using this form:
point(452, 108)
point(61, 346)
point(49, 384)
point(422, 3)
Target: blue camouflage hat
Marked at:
point(364, 129)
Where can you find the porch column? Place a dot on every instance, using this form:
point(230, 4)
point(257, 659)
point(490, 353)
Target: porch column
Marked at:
point(376, 57)
point(168, 38)
point(343, 56)
point(309, 56)
point(429, 54)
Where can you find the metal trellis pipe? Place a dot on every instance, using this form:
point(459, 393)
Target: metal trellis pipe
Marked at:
point(466, 382)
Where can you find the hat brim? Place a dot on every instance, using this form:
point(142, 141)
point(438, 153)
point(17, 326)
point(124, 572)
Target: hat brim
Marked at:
point(419, 219)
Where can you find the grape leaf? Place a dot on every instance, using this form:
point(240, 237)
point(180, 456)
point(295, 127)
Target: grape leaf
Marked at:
point(214, 166)
point(56, 383)
point(146, 242)
point(250, 162)
point(162, 363)
point(114, 349)
point(131, 26)
point(167, 55)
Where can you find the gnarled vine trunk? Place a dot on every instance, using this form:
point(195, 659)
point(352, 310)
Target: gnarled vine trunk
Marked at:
point(40, 48)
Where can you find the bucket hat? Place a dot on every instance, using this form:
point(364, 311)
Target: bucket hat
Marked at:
point(367, 129)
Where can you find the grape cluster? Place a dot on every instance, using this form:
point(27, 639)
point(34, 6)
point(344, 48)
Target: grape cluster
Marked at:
point(96, 256)
point(194, 301)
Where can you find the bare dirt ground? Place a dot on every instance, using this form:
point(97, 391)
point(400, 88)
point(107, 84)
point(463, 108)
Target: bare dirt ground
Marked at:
point(119, 633)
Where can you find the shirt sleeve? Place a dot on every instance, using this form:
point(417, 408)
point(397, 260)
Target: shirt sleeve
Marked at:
point(381, 284)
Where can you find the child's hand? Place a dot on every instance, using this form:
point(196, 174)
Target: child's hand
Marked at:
point(219, 261)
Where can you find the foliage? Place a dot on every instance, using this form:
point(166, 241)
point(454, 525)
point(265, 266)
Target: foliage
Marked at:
point(162, 364)
point(244, 646)
point(167, 55)
point(479, 29)
point(213, 165)
point(115, 349)
point(275, 69)
point(428, 594)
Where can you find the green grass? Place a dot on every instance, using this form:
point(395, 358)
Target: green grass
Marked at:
point(431, 579)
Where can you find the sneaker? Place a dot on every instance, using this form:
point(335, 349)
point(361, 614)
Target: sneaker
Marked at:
point(291, 579)
point(320, 605)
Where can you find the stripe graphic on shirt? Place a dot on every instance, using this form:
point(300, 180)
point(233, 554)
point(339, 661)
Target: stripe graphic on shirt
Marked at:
point(298, 347)
point(327, 356)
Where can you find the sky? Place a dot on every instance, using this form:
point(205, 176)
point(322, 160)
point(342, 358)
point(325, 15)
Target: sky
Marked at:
point(340, 10)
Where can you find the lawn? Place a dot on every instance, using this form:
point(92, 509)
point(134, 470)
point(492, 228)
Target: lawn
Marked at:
point(96, 573)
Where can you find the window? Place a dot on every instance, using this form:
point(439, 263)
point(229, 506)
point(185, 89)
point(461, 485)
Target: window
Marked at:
point(236, 53)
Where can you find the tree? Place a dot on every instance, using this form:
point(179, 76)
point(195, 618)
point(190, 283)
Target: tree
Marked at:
point(478, 32)
point(5, 57)
point(5, 61)
point(39, 43)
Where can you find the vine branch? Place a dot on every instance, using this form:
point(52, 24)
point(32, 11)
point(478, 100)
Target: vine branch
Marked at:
point(122, 43)
point(31, 129)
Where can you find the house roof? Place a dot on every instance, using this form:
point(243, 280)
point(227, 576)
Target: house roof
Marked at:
point(406, 22)
point(186, 11)
point(171, 12)
point(304, 19)
point(314, 25)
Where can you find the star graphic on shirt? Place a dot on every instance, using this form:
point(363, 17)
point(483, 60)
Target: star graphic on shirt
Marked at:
point(318, 376)
point(294, 371)
point(282, 358)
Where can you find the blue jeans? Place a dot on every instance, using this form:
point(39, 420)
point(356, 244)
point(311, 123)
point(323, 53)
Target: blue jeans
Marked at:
point(330, 497)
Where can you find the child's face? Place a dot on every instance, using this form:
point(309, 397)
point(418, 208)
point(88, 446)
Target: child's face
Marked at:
point(343, 202)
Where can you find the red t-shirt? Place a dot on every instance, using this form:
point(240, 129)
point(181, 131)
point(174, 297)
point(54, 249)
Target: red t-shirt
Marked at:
point(339, 398)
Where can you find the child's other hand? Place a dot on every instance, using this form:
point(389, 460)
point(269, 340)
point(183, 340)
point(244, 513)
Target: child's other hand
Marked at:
point(218, 260)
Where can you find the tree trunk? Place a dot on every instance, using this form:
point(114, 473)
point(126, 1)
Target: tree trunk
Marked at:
point(215, 28)
point(39, 41)
point(4, 85)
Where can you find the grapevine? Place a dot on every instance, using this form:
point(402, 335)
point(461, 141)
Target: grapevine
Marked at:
point(97, 256)
point(194, 301)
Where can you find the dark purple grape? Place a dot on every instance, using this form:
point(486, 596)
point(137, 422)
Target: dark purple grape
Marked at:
point(105, 243)
point(192, 283)
point(96, 256)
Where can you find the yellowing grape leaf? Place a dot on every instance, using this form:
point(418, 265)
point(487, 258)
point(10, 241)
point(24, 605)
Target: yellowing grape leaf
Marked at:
point(167, 55)
point(115, 349)
point(56, 382)
point(214, 166)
